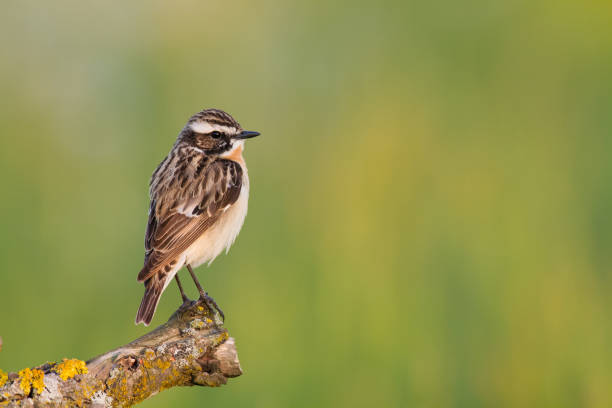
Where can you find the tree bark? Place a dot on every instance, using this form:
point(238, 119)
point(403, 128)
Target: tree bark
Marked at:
point(192, 348)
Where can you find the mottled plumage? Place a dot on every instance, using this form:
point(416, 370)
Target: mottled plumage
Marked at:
point(199, 195)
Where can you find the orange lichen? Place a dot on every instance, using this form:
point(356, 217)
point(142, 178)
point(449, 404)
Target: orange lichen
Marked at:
point(70, 367)
point(31, 378)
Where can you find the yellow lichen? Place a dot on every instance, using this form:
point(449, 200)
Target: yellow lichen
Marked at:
point(197, 324)
point(26, 380)
point(38, 380)
point(222, 337)
point(3, 378)
point(31, 378)
point(163, 365)
point(70, 367)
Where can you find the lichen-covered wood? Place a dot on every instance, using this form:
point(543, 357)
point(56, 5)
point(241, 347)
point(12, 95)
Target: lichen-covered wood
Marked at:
point(192, 348)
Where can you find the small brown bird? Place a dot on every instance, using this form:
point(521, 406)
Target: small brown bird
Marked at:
point(199, 196)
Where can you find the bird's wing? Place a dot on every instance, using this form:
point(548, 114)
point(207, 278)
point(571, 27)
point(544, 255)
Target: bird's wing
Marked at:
point(183, 210)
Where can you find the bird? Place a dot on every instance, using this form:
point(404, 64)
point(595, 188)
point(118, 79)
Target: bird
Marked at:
point(198, 203)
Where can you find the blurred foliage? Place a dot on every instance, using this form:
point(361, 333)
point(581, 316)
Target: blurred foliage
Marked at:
point(429, 221)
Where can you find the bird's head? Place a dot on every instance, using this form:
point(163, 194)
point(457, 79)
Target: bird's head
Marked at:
point(215, 132)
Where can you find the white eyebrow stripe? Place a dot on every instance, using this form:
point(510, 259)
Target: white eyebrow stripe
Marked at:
point(205, 127)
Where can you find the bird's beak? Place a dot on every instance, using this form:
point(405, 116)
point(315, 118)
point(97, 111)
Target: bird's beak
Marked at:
point(245, 134)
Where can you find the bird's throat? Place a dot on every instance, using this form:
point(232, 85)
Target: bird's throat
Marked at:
point(235, 153)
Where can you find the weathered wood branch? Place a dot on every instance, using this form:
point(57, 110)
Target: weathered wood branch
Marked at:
point(192, 348)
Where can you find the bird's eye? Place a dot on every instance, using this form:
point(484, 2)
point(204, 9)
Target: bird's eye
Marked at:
point(216, 134)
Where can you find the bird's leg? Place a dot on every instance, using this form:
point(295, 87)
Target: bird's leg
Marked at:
point(195, 280)
point(210, 302)
point(183, 295)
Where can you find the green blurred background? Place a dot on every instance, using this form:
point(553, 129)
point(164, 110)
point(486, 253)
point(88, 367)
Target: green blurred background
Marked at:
point(430, 216)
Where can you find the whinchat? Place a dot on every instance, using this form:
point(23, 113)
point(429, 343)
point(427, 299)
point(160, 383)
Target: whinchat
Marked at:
point(199, 195)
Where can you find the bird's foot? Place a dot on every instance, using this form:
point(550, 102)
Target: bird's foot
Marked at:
point(211, 304)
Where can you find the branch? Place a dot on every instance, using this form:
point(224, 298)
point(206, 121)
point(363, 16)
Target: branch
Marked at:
point(192, 348)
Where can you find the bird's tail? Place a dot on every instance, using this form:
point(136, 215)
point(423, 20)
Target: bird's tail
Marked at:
point(153, 290)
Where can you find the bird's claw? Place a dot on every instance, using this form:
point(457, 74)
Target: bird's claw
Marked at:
point(212, 305)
